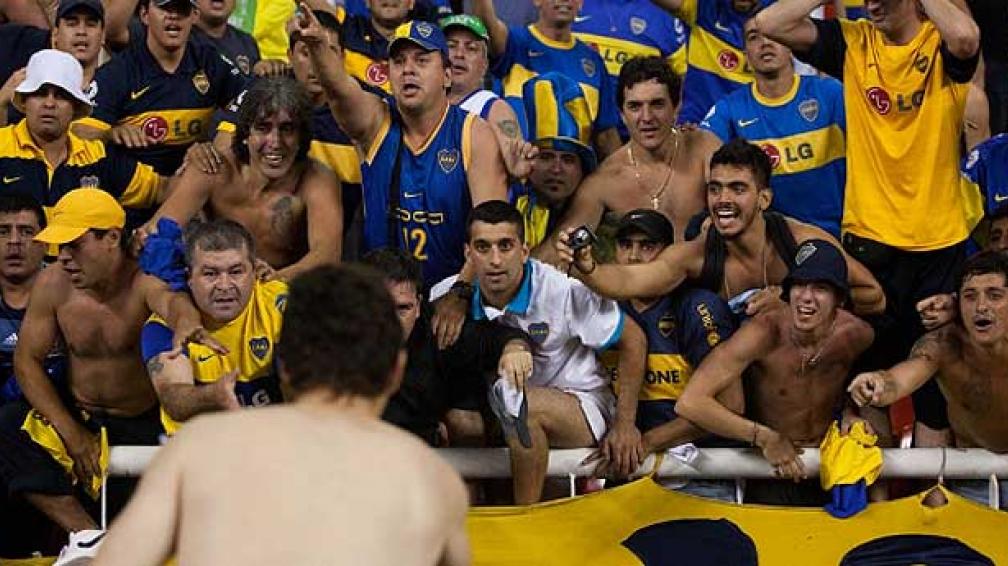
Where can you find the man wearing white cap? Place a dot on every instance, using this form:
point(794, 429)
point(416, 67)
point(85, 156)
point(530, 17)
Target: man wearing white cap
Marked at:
point(96, 299)
point(40, 156)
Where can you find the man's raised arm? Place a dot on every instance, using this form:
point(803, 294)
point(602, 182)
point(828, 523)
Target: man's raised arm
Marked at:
point(484, 10)
point(788, 22)
point(359, 113)
point(956, 26)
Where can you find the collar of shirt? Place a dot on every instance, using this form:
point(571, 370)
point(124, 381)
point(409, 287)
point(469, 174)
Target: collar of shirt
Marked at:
point(28, 145)
point(518, 305)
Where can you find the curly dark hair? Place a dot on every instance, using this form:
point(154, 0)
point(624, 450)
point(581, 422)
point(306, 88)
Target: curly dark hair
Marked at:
point(495, 212)
point(340, 332)
point(740, 153)
point(642, 69)
point(266, 97)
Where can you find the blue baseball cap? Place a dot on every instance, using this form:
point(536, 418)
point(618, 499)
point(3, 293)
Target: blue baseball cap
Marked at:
point(67, 6)
point(818, 260)
point(423, 34)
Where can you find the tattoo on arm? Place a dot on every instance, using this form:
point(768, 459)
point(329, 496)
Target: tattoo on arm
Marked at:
point(925, 348)
point(509, 128)
point(888, 384)
point(154, 366)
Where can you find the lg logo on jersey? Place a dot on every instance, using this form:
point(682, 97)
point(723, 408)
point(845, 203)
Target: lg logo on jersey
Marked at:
point(158, 129)
point(883, 103)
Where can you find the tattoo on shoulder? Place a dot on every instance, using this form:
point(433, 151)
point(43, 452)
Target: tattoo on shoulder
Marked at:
point(927, 347)
point(509, 128)
point(154, 366)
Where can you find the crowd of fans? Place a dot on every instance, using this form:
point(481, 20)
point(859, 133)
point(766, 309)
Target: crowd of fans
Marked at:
point(622, 224)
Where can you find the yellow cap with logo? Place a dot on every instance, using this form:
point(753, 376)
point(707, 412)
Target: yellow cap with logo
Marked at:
point(81, 210)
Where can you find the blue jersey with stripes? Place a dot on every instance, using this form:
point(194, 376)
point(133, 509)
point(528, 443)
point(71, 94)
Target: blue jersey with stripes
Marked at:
point(434, 199)
point(715, 55)
point(529, 53)
point(987, 166)
point(803, 133)
point(681, 329)
point(622, 29)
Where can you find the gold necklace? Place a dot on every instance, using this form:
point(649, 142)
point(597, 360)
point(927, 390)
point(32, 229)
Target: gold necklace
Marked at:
point(810, 362)
point(656, 196)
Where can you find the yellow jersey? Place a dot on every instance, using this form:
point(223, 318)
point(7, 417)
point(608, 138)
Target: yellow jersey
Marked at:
point(250, 338)
point(905, 107)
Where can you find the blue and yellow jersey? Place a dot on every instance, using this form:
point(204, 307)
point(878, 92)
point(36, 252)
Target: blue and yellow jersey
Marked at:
point(540, 220)
point(89, 164)
point(250, 338)
point(803, 133)
point(620, 30)
point(681, 329)
point(434, 199)
point(238, 47)
point(365, 53)
point(987, 167)
point(715, 55)
point(175, 109)
point(904, 106)
point(855, 9)
point(529, 53)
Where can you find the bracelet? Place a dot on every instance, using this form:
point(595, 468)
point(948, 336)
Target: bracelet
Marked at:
point(590, 271)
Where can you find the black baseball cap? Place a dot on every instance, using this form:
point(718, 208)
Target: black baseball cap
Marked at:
point(67, 6)
point(651, 223)
point(818, 260)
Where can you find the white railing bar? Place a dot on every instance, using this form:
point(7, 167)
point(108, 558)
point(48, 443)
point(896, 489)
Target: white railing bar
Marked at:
point(709, 463)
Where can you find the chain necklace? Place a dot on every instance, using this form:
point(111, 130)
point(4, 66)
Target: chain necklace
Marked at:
point(810, 362)
point(657, 195)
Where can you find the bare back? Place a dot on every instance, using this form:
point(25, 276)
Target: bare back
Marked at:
point(800, 398)
point(103, 343)
point(275, 215)
point(312, 488)
point(974, 382)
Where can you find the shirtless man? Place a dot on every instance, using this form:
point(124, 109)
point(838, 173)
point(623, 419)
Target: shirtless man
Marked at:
point(968, 358)
point(96, 299)
point(799, 358)
point(744, 248)
point(290, 204)
point(318, 496)
point(661, 167)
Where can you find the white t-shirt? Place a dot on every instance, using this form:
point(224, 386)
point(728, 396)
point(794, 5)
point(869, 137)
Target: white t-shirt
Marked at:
point(567, 322)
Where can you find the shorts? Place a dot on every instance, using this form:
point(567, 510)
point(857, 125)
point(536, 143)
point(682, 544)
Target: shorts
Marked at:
point(979, 491)
point(806, 493)
point(598, 407)
point(25, 466)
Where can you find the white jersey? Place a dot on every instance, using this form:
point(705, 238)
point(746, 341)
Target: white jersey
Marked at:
point(568, 324)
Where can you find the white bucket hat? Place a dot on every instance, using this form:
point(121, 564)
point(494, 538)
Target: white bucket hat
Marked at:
point(51, 66)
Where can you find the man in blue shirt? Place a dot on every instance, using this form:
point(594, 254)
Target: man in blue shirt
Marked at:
point(519, 54)
point(799, 122)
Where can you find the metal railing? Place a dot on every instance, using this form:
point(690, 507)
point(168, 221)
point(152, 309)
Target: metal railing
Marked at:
point(476, 463)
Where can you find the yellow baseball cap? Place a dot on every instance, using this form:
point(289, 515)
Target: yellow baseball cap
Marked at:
point(81, 210)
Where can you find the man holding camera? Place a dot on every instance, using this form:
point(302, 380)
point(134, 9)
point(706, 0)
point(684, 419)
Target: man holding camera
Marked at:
point(565, 400)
